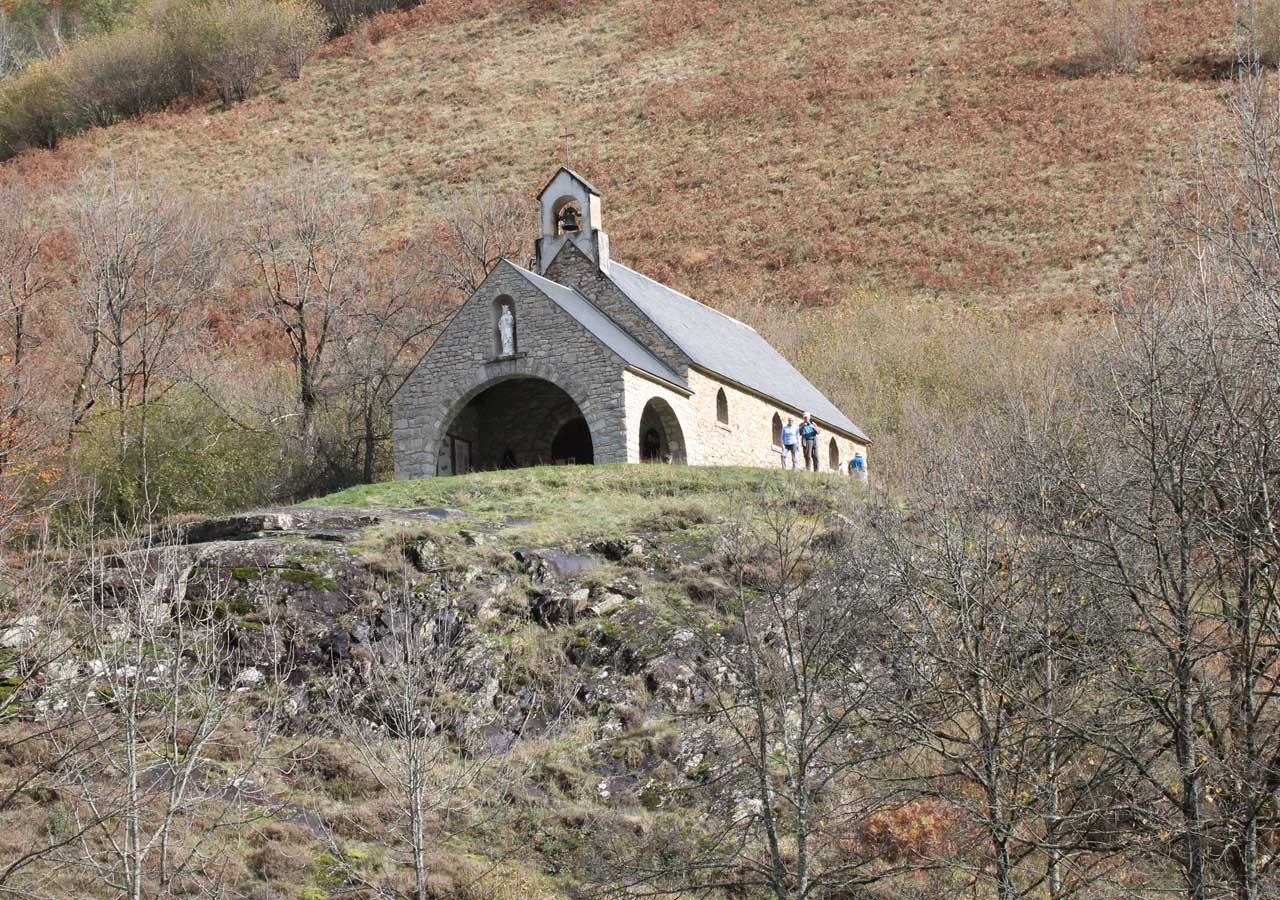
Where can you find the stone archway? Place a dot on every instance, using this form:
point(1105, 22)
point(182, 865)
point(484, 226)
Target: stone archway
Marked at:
point(661, 437)
point(511, 422)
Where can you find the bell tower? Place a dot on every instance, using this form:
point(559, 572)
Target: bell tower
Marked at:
point(570, 212)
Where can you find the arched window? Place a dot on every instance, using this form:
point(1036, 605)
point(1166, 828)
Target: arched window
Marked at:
point(777, 430)
point(505, 336)
point(833, 455)
point(722, 407)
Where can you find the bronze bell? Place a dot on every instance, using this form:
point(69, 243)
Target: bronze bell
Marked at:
point(569, 220)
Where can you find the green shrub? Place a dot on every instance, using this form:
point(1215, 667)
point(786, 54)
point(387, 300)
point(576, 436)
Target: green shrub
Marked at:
point(347, 14)
point(119, 75)
point(33, 109)
point(193, 459)
point(247, 38)
point(301, 28)
point(174, 48)
point(1267, 22)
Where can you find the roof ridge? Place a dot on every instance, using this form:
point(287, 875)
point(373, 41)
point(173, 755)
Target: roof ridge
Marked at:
point(587, 184)
point(723, 315)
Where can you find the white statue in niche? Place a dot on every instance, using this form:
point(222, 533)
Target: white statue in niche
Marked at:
point(507, 331)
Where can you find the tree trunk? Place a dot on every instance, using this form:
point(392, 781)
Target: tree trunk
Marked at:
point(1193, 836)
point(370, 442)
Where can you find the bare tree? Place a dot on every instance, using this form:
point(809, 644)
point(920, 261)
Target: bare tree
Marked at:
point(413, 720)
point(23, 283)
point(1173, 521)
point(157, 758)
point(39, 646)
point(10, 56)
point(305, 236)
point(1171, 513)
point(477, 232)
point(24, 286)
point(145, 261)
point(394, 316)
point(788, 666)
point(995, 675)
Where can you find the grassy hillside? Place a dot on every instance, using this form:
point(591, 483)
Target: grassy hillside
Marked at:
point(794, 152)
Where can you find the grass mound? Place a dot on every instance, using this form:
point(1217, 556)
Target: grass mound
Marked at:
point(550, 503)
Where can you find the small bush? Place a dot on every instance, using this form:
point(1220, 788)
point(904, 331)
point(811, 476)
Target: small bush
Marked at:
point(300, 29)
point(34, 109)
point(193, 458)
point(118, 75)
point(1267, 21)
point(346, 15)
point(339, 771)
point(247, 38)
point(283, 853)
point(175, 48)
point(1119, 34)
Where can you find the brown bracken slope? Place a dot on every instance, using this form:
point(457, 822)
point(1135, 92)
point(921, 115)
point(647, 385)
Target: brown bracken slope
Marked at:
point(791, 151)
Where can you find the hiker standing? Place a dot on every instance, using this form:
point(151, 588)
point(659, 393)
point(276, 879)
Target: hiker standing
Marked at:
point(809, 441)
point(790, 438)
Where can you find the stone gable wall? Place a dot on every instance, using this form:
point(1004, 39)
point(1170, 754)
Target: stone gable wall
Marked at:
point(550, 344)
point(572, 268)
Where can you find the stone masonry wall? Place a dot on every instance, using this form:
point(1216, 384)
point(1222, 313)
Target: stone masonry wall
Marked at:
point(550, 344)
point(571, 267)
point(639, 391)
point(747, 440)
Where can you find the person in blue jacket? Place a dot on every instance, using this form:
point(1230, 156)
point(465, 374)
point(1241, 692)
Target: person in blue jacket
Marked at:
point(809, 442)
point(790, 438)
point(858, 466)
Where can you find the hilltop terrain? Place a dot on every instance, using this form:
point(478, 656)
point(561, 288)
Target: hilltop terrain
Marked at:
point(915, 203)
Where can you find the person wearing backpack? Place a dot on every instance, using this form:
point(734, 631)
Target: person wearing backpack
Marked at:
point(809, 442)
point(858, 466)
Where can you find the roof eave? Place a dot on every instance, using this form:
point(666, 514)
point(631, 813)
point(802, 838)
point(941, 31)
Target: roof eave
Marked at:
point(658, 379)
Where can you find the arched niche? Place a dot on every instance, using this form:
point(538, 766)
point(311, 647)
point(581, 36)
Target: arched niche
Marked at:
point(568, 216)
point(501, 305)
point(722, 407)
point(661, 437)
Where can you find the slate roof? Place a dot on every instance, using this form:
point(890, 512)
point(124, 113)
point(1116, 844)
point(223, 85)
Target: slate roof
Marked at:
point(605, 329)
point(727, 347)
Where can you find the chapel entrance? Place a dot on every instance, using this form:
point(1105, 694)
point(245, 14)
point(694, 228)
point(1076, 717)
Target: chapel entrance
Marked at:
point(514, 423)
point(661, 439)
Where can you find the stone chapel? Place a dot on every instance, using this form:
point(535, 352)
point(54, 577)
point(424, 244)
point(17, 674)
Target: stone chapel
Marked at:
point(588, 361)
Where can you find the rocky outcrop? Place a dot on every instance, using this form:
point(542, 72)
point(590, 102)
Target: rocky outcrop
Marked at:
point(306, 593)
